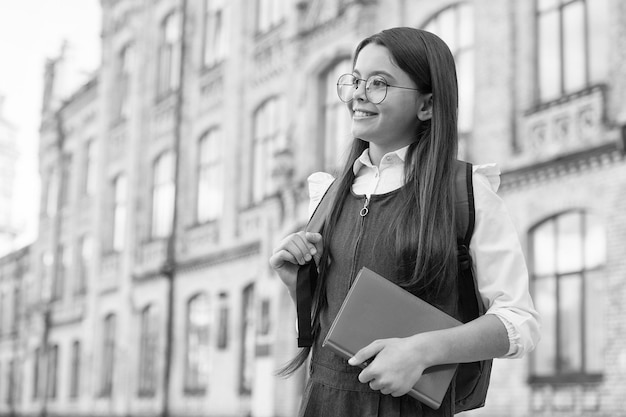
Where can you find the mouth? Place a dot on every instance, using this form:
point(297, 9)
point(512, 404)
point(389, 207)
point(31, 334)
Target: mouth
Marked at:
point(363, 113)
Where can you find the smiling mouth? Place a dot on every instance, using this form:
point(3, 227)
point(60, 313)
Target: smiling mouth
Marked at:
point(361, 113)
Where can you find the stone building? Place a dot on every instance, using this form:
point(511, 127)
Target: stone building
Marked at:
point(8, 156)
point(169, 177)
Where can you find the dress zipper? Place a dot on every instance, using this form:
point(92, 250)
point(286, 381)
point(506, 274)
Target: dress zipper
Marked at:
point(363, 212)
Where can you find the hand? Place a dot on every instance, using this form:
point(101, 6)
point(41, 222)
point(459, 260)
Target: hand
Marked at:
point(396, 366)
point(295, 250)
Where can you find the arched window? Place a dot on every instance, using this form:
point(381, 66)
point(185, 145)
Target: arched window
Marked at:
point(572, 45)
point(269, 138)
point(119, 212)
point(335, 116)
point(169, 54)
point(108, 356)
point(215, 28)
point(455, 25)
point(163, 195)
point(148, 352)
point(210, 192)
point(197, 338)
point(567, 254)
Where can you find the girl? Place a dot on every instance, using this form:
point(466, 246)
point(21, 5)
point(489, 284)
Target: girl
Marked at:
point(402, 96)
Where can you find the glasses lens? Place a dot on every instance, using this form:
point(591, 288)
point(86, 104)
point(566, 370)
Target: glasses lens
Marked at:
point(346, 85)
point(376, 89)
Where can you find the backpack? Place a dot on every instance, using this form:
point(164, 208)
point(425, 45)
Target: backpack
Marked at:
point(471, 379)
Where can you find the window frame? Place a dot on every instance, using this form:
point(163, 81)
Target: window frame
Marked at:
point(163, 192)
point(169, 54)
point(119, 212)
point(583, 375)
point(214, 41)
point(75, 370)
point(108, 356)
point(196, 384)
point(210, 177)
point(148, 344)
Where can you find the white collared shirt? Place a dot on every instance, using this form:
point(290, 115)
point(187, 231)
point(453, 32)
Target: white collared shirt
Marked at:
point(499, 265)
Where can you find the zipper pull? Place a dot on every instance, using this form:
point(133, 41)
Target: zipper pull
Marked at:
point(365, 210)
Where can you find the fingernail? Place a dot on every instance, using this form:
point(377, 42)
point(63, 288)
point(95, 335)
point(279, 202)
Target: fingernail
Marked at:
point(307, 257)
point(352, 361)
point(313, 251)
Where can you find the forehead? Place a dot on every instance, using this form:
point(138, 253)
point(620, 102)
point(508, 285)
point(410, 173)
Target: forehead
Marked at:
point(375, 59)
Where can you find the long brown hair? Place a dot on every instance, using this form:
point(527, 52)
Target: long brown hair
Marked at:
point(423, 225)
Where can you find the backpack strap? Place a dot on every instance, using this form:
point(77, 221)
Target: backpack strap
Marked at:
point(470, 304)
point(307, 273)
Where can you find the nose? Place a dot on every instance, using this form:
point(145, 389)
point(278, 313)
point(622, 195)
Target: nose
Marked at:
point(359, 93)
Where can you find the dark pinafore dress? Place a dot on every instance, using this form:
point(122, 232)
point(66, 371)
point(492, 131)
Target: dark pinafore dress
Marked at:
point(333, 388)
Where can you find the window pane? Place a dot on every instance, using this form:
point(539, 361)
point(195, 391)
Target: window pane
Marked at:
point(595, 242)
point(547, 4)
point(595, 323)
point(466, 26)
point(448, 28)
point(337, 129)
point(549, 56)
point(598, 16)
point(574, 46)
point(465, 70)
point(569, 243)
point(544, 249)
point(570, 328)
point(544, 296)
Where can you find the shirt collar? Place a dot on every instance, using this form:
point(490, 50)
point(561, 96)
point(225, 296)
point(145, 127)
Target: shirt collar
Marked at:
point(396, 157)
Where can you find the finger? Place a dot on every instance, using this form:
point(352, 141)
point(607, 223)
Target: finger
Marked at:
point(366, 353)
point(300, 251)
point(318, 245)
point(279, 259)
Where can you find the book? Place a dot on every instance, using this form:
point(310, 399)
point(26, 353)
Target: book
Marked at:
point(376, 308)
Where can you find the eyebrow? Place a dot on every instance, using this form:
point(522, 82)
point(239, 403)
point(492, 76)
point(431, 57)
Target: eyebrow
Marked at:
point(380, 72)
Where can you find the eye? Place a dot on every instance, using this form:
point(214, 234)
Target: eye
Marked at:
point(377, 82)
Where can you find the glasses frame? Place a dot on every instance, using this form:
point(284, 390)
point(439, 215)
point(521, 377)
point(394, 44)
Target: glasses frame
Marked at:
point(357, 79)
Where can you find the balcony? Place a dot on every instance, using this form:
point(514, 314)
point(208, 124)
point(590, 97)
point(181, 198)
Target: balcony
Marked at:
point(199, 239)
point(568, 125)
point(150, 257)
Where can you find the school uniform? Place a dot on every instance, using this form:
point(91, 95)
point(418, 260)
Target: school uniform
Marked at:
point(360, 241)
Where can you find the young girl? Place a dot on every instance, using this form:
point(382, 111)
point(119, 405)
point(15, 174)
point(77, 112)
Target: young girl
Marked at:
point(394, 213)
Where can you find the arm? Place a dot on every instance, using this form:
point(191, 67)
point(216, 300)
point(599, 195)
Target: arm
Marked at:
point(510, 328)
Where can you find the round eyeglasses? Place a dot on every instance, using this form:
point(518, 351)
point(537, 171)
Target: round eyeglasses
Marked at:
point(375, 88)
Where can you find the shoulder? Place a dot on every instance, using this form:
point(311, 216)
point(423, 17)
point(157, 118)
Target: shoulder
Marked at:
point(486, 177)
point(318, 184)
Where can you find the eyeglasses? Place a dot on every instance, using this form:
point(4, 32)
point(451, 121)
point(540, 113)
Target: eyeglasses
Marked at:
point(375, 88)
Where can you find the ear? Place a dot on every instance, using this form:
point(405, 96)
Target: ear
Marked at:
point(425, 104)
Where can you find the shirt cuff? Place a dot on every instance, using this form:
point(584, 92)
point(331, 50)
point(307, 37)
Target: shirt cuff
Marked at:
point(515, 344)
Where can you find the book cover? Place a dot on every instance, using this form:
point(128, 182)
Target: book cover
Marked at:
point(376, 308)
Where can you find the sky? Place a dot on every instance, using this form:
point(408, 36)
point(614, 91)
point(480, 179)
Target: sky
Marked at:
point(30, 32)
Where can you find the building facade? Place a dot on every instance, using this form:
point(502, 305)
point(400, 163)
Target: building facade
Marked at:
point(170, 176)
point(8, 156)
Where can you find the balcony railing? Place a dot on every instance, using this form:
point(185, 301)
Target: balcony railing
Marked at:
point(565, 126)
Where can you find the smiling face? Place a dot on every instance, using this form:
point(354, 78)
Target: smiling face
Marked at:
point(391, 124)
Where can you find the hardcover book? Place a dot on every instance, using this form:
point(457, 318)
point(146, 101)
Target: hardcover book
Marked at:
point(376, 308)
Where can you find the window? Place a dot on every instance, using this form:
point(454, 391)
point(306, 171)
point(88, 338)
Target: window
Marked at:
point(169, 54)
point(270, 13)
point(66, 179)
point(11, 383)
point(215, 32)
point(108, 357)
point(119, 212)
point(75, 371)
point(52, 193)
point(163, 195)
point(572, 46)
point(567, 257)
point(89, 183)
point(63, 263)
point(247, 341)
point(269, 139)
point(223, 322)
point(210, 177)
point(85, 255)
point(197, 355)
point(53, 363)
point(148, 352)
point(36, 372)
point(123, 85)
point(455, 25)
point(336, 119)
